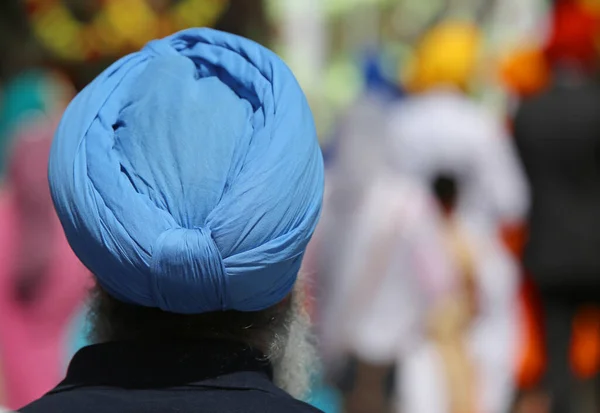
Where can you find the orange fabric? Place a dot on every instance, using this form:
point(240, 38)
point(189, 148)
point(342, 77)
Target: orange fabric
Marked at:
point(585, 343)
point(525, 72)
point(514, 237)
point(592, 6)
point(532, 356)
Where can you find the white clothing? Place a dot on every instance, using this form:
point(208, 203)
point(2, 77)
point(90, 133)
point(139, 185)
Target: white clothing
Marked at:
point(386, 274)
point(492, 341)
point(444, 132)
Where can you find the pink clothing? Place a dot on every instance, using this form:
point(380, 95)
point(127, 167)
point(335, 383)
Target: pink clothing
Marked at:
point(33, 337)
point(34, 250)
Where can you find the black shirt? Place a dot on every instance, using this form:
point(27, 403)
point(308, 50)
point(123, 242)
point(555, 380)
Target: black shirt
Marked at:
point(557, 135)
point(192, 377)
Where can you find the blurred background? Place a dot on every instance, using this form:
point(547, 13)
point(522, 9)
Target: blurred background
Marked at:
point(456, 268)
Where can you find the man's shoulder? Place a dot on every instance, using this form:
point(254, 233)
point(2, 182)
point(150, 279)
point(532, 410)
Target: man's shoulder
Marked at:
point(184, 400)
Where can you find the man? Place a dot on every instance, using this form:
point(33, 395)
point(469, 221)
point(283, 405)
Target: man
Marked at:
point(385, 285)
point(437, 132)
point(558, 137)
point(188, 179)
point(375, 258)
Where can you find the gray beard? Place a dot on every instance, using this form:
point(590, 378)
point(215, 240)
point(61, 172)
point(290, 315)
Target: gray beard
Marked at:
point(293, 353)
point(288, 342)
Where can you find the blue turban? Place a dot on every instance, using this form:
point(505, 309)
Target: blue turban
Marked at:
point(188, 176)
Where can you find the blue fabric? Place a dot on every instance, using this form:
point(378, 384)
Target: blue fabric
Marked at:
point(375, 79)
point(188, 176)
point(326, 398)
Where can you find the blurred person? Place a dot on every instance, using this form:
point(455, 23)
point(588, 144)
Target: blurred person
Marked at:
point(354, 157)
point(525, 72)
point(475, 375)
point(474, 142)
point(42, 284)
point(454, 369)
point(188, 178)
point(374, 258)
point(439, 131)
point(389, 287)
point(351, 158)
point(557, 135)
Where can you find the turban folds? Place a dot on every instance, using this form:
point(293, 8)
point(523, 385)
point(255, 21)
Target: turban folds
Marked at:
point(188, 176)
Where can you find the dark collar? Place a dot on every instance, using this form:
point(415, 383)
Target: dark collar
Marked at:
point(138, 365)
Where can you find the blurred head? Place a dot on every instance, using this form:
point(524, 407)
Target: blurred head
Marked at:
point(446, 190)
point(525, 71)
point(446, 56)
point(574, 34)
